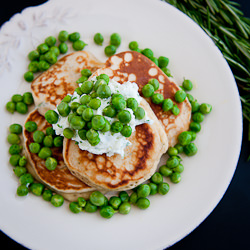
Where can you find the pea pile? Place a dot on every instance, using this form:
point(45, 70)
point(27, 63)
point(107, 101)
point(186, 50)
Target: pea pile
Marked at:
point(81, 117)
point(46, 53)
point(20, 103)
point(42, 144)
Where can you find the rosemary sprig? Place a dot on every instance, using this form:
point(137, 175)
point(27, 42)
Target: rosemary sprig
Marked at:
point(226, 25)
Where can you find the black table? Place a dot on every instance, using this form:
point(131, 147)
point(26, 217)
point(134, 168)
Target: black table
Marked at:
point(228, 226)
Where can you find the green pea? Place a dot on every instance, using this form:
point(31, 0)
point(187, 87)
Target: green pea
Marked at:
point(184, 138)
point(74, 207)
point(90, 208)
point(115, 39)
point(190, 97)
point(195, 126)
point(153, 188)
point(63, 47)
point(104, 77)
point(180, 96)
point(179, 147)
point(55, 50)
point(124, 116)
point(22, 190)
point(116, 127)
point(132, 104)
point(94, 103)
point(57, 200)
point(47, 195)
point(198, 117)
point(154, 83)
point(44, 153)
point(82, 79)
point(143, 203)
point(106, 202)
point(165, 171)
point(166, 71)
point(50, 131)
point(133, 198)
point(157, 98)
point(117, 96)
point(175, 110)
point(179, 168)
point(98, 122)
point(48, 141)
point(43, 65)
point(82, 134)
point(195, 106)
point(124, 208)
point(205, 108)
point(87, 114)
point(148, 90)
point(98, 38)
point(13, 139)
point(175, 177)
point(172, 151)
point(107, 212)
point(139, 113)
point(157, 178)
point(87, 87)
point(79, 45)
point(33, 55)
point(86, 72)
point(14, 159)
point(85, 99)
point(80, 109)
point(126, 131)
point(28, 98)
point(19, 171)
point(77, 122)
point(63, 109)
point(143, 191)
point(97, 198)
point(34, 147)
point(28, 76)
point(115, 202)
point(51, 117)
point(15, 128)
point(167, 105)
point(133, 45)
point(187, 85)
point(68, 133)
point(193, 135)
point(21, 108)
point(15, 149)
point(50, 57)
point(163, 188)
point(163, 61)
point(124, 196)
point(74, 36)
point(41, 58)
point(74, 106)
point(93, 137)
point(81, 202)
point(63, 36)
point(154, 60)
point(37, 188)
point(190, 149)
point(107, 126)
point(42, 48)
point(11, 107)
point(109, 111)
point(103, 91)
point(38, 136)
point(22, 161)
point(50, 41)
point(17, 98)
point(33, 67)
point(78, 91)
point(110, 50)
point(51, 163)
point(58, 141)
point(172, 162)
point(26, 179)
point(148, 53)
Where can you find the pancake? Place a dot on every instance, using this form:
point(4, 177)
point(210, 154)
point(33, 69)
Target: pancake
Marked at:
point(59, 180)
point(53, 85)
point(114, 173)
point(135, 67)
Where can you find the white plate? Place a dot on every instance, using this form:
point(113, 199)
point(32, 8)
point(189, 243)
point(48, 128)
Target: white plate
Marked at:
point(156, 25)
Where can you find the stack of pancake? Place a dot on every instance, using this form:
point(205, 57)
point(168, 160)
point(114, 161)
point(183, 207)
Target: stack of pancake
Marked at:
point(79, 172)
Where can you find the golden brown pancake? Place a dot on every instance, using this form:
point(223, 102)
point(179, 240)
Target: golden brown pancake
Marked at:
point(135, 67)
point(53, 85)
point(59, 180)
point(149, 142)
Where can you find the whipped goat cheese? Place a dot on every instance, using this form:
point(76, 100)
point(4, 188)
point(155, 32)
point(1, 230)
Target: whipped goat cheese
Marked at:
point(110, 143)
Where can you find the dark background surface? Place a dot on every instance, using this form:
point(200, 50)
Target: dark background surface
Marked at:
point(228, 226)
